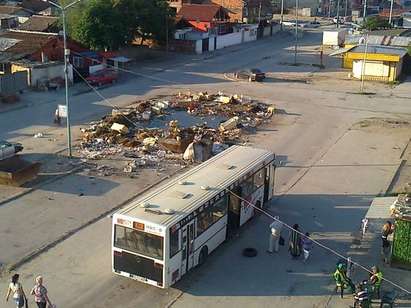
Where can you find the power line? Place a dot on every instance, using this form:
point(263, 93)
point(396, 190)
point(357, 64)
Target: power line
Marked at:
point(317, 242)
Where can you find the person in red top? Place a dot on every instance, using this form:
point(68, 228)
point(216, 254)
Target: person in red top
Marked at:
point(40, 293)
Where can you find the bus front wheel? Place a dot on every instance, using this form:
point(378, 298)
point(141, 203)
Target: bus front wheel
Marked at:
point(203, 256)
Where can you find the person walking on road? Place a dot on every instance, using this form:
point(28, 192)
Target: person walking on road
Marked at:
point(307, 244)
point(16, 289)
point(40, 293)
point(57, 117)
point(294, 243)
point(376, 280)
point(341, 279)
point(275, 233)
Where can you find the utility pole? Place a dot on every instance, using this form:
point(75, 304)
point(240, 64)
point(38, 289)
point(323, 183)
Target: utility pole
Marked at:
point(259, 14)
point(66, 61)
point(390, 19)
point(282, 15)
point(296, 32)
point(338, 13)
point(365, 10)
point(363, 61)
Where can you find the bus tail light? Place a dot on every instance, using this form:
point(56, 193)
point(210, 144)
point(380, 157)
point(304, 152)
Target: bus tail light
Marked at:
point(138, 226)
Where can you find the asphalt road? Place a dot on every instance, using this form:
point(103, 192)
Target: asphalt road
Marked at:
point(312, 130)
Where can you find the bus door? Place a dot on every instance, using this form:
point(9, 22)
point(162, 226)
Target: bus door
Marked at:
point(269, 182)
point(187, 256)
point(234, 211)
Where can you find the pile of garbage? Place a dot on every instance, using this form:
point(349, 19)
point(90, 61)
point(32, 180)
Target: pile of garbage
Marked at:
point(129, 132)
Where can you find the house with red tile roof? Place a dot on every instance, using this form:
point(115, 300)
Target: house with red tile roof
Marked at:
point(204, 17)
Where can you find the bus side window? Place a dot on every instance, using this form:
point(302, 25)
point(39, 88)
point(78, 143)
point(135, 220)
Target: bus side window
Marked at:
point(174, 242)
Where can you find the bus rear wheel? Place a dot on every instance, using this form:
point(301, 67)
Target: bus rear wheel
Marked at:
point(203, 256)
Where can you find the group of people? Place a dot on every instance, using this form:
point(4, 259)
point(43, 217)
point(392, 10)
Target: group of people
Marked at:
point(363, 291)
point(300, 243)
point(297, 244)
point(39, 291)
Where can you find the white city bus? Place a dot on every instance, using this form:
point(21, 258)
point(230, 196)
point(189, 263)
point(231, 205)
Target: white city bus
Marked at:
point(162, 235)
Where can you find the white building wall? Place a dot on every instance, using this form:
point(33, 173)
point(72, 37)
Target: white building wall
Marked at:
point(250, 34)
point(371, 68)
point(211, 46)
point(49, 72)
point(199, 47)
point(228, 39)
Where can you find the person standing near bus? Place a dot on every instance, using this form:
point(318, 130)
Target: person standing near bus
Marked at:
point(294, 243)
point(40, 293)
point(275, 234)
point(16, 289)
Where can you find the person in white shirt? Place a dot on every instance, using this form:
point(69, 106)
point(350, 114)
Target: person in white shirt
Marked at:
point(275, 233)
point(16, 289)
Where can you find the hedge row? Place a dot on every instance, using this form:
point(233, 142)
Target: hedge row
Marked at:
point(401, 250)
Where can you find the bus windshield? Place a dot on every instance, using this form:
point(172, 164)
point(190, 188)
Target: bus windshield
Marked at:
point(147, 244)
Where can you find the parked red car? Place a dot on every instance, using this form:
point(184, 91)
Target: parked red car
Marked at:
point(102, 77)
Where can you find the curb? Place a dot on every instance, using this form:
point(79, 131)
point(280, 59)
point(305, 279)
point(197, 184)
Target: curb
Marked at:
point(13, 266)
point(395, 176)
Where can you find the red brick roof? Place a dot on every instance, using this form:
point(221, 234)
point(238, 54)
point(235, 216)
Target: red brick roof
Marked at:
point(199, 12)
point(39, 23)
point(29, 42)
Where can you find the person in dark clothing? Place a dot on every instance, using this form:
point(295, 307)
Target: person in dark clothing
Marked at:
point(361, 297)
point(387, 229)
point(294, 243)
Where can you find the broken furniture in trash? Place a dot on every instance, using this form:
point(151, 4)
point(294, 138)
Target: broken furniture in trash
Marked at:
point(136, 131)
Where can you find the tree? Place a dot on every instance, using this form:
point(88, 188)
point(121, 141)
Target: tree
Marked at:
point(110, 24)
point(375, 22)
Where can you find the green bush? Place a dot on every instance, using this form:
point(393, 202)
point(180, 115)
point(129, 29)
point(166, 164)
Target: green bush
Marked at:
point(401, 251)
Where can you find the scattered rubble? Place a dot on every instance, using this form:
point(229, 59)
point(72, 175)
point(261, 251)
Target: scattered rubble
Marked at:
point(135, 133)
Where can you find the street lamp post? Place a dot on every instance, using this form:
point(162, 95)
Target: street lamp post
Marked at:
point(66, 60)
point(362, 41)
point(338, 13)
point(282, 15)
point(390, 19)
point(296, 32)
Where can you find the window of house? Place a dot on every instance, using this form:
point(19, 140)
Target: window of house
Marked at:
point(211, 215)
